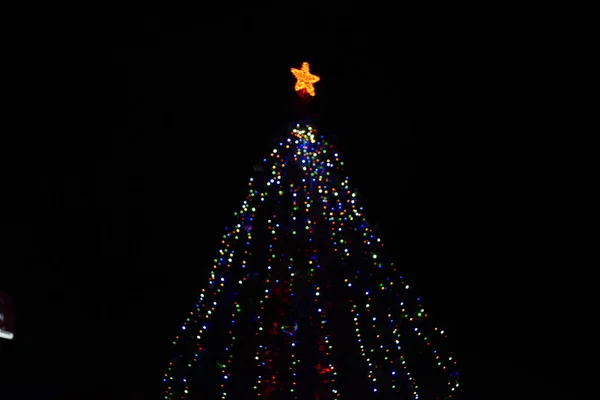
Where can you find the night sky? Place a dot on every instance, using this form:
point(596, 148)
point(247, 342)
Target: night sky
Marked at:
point(133, 134)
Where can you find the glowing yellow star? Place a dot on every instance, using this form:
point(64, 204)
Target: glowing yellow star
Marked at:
point(305, 79)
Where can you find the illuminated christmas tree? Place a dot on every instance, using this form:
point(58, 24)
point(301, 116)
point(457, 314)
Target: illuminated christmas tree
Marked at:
point(301, 302)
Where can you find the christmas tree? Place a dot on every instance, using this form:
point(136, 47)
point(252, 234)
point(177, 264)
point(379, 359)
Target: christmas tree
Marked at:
point(301, 302)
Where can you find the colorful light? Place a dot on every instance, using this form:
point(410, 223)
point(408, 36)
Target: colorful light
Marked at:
point(305, 200)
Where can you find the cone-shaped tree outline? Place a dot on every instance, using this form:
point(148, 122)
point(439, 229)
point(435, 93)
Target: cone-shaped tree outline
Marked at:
point(308, 197)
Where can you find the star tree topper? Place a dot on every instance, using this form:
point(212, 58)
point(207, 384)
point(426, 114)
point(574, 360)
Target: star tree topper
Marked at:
point(304, 79)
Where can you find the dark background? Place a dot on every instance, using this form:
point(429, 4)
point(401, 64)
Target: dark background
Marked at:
point(129, 137)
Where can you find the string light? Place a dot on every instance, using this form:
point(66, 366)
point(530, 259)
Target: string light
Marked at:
point(300, 197)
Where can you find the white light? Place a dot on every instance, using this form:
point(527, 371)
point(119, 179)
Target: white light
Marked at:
point(6, 335)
